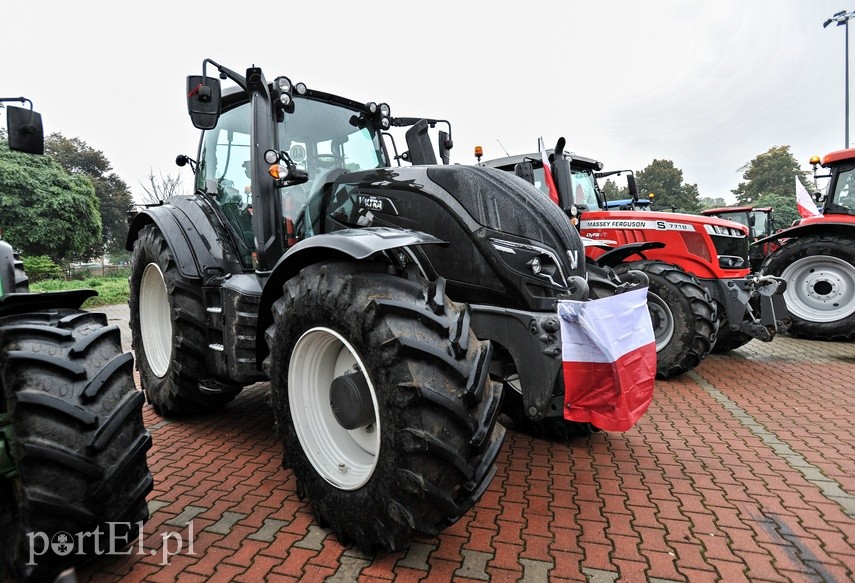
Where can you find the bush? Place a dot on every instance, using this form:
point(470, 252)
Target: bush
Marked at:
point(41, 267)
point(112, 289)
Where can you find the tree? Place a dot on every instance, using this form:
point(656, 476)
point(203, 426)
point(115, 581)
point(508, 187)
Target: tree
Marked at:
point(784, 208)
point(614, 192)
point(44, 210)
point(711, 203)
point(773, 172)
point(665, 180)
point(114, 196)
point(161, 187)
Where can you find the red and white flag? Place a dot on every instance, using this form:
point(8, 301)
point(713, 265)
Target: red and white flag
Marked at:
point(807, 208)
point(609, 354)
point(547, 172)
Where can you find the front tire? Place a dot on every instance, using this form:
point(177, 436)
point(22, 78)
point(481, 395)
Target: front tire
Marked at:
point(168, 331)
point(820, 295)
point(420, 451)
point(71, 421)
point(683, 315)
point(727, 339)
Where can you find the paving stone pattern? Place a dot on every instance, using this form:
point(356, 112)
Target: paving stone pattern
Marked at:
point(743, 470)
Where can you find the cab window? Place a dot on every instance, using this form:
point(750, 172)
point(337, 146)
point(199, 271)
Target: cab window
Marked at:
point(844, 191)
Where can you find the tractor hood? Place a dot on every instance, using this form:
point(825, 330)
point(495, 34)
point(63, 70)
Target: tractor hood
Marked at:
point(508, 243)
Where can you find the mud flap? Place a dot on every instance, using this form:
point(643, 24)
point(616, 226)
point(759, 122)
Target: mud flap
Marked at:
point(609, 359)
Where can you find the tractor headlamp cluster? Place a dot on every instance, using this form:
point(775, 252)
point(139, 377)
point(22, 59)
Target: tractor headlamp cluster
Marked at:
point(528, 259)
point(730, 262)
point(724, 231)
point(283, 93)
point(381, 114)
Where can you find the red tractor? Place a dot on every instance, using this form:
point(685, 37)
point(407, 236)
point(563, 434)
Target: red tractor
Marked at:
point(817, 257)
point(760, 223)
point(702, 292)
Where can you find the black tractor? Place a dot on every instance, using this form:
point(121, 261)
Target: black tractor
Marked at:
point(72, 441)
point(388, 307)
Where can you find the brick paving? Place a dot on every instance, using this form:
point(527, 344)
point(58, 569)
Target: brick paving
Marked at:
point(742, 470)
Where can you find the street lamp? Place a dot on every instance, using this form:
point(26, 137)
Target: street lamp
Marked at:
point(842, 19)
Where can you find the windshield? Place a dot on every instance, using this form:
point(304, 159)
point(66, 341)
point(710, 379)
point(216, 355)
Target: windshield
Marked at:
point(761, 226)
point(740, 217)
point(844, 192)
point(322, 138)
point(582, 182)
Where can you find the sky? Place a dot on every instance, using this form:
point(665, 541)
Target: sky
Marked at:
point(708, 85)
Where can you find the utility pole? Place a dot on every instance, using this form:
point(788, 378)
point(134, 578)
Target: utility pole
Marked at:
point(842, 19)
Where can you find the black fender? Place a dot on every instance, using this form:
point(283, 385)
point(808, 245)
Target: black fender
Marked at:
point(619, 254)
point(14, 304)
point(347, 244)
point(195, 234)
point(826, 227)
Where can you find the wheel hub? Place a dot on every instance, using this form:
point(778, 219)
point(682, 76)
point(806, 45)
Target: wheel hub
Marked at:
point(823, 288)
point(350, 400)
point(662, 320)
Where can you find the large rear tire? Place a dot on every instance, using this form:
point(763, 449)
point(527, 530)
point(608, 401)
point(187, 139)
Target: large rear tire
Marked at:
point(168, 331)
point(820, 295)
point(683, 315)
point(71, 423)
point(421, 450)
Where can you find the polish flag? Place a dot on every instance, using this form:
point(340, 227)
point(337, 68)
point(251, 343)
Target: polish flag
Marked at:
point(807, 208)
point(547, 172)
point(609, 355)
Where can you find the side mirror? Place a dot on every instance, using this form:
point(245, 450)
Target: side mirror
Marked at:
point(418, 141)
point(525, 171)
point(632, 186)
point(26, 133)
point(445, 145)
point(203, 101)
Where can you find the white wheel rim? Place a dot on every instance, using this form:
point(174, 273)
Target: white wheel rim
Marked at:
point(155, 320)
point(344, 458)
point(661, 314)
point(820, 288)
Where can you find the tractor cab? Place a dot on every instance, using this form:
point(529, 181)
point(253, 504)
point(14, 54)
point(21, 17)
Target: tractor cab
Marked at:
point(585, 174)
point(840, 196)
point(318, 138)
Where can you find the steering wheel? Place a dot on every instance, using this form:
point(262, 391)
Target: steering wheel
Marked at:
point(328, 161)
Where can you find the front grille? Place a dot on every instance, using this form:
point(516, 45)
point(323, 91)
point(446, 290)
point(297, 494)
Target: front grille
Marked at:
point(730, 246)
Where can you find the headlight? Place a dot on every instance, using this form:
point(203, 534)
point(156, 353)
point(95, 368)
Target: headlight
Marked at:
point(531, 261)
point(724, 231)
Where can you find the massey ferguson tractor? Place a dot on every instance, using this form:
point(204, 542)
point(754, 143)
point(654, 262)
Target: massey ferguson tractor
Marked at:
point(816, 257)
point(702, 293)
point(382, 303)
point(72, 441)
